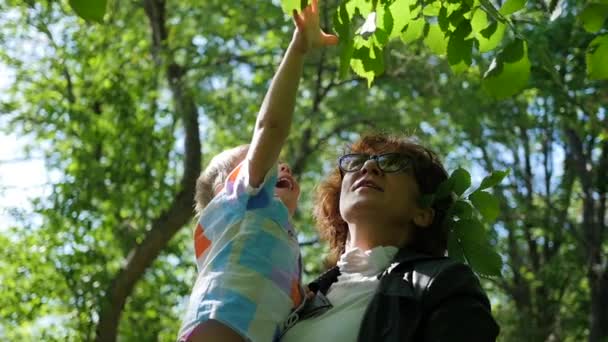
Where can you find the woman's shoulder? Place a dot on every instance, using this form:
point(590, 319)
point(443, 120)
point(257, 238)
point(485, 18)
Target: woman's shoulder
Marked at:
point(441, 278)
point(438, 275)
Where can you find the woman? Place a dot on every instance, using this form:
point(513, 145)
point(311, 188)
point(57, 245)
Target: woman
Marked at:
point(391, 281)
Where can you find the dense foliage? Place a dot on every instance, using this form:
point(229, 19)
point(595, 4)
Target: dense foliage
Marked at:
point(121, 98)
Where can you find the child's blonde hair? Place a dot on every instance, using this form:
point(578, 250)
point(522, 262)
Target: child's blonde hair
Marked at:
point(215, 174)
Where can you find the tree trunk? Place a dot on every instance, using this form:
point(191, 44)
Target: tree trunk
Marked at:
point(598, 326)
point(180, 212)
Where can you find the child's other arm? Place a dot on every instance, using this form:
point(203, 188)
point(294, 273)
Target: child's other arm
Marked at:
point(276, 113)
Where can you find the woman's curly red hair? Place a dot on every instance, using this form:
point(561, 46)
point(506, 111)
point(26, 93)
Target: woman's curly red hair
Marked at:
point(429, 173)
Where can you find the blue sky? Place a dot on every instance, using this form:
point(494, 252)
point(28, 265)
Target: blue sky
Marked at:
point(20, 179)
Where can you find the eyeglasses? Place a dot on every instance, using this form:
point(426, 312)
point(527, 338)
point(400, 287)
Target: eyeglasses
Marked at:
point(388, 162)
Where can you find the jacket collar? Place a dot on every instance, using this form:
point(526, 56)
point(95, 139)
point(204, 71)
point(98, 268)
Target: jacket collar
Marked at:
point(406, 255)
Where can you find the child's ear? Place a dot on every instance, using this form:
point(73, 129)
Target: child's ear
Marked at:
point(424, 217)
point(218, 188)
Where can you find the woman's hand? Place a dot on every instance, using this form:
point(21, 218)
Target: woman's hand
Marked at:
point(308, 34)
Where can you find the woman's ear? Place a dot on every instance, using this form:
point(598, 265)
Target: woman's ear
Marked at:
point(424, 217)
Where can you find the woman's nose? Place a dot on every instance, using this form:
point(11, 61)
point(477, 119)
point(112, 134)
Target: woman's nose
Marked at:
point(284, 168)
point(371, 166)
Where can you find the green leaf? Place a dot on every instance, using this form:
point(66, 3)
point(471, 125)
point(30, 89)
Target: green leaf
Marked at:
point(346, 53)
point(289, 6)
point(482, 257)
point(509, 71)
point(436, 40)
point(459, 49)
point(470, 230)
point(432, 9)
point(363, 6)
point(462, 209)
point(442, 19)
point(471, 237)
point(491, 10)
point(346, 45)
point(487, 205)
point(385, 24)
point(458, 15)
point(400, 11)
point(414, 30)
point(512, 6)
point(461, 180)
point(91, 10)
point(494, 178)
point(593, 16)
point(454, 248)
point(489, 35)
point(479, 20)
point(596, 57)
point(381, 36)
point(367, 62)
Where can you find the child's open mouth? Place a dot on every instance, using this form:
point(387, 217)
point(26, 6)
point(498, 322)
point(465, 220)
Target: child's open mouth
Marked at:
point(284, 183)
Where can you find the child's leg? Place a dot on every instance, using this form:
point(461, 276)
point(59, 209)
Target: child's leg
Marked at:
point(214, 331)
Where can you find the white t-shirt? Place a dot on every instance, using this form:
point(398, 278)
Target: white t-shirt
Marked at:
point(350, 296)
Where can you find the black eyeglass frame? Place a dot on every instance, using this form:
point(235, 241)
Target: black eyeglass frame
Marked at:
point(376, 157)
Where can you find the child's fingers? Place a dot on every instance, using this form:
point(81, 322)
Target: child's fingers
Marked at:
point(297, 18)
point(314, 6)
point(329, 39)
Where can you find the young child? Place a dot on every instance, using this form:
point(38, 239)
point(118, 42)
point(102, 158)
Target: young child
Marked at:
point(246, 249)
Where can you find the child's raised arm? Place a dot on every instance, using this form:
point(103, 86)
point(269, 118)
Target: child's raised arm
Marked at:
point(274, 119)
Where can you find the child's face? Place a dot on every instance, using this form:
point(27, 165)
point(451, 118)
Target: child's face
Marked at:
point(287, 188)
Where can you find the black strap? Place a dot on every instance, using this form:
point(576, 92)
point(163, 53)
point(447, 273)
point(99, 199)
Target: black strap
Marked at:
point(324, 281)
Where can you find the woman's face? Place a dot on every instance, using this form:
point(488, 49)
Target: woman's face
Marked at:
point(372, 194)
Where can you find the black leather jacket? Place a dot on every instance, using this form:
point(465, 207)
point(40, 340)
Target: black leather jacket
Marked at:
point(419, 298)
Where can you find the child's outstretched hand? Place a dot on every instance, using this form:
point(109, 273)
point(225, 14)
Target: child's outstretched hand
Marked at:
point(308, 34)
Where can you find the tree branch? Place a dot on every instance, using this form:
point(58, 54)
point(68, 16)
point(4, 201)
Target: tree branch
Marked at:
point(532, 245)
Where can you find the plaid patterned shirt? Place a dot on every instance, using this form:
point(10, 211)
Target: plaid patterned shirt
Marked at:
point(248, 260)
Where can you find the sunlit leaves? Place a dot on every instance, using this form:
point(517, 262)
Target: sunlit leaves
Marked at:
point(436, 40)
point(596, 57)
point(367, 59)
point(509, 71)
point(291, 5)
point(460, 46)
point(400, 12)
point(593, 16)
point(512, 6)
point(488, 34)
point(446, 28)
point(413, 30)
point(92, 10)
point(343, 29)
point(432, 8)
point(362, 7)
